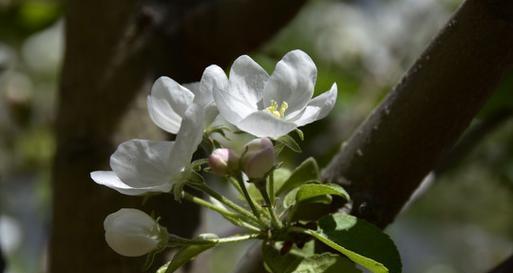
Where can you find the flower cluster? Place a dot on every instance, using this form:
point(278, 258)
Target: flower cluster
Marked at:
point(241, 121)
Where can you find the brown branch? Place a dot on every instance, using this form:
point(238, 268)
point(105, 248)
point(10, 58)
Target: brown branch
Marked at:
point(505, 267)
point(114, 49)
point(402, 140)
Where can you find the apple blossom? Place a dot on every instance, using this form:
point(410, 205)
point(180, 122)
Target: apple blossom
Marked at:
point(272, 106)
point(132, 233)
point(142, 166)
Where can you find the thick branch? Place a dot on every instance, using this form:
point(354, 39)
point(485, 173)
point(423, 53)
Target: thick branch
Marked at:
point(402, 140)
point(505, 267)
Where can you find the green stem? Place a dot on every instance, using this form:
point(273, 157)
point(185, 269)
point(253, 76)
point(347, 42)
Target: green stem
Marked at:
point(177, 240)
point(230, 216)
point(225, 201)
point(235, 183)
point(248, 198)
point(275, 221)
point(271, 188)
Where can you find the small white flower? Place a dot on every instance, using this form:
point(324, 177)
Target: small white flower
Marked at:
point(272, 106)
point(142, 166)
point(132, 233)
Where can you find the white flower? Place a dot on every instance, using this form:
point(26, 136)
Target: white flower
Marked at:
point(141, 166)
point(132, 233)
point(272, 106)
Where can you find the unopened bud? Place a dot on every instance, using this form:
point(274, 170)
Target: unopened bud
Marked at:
point(259, 158)
point(132, 233)
point(222, 161)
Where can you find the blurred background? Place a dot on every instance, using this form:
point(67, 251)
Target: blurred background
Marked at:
point(460, 221)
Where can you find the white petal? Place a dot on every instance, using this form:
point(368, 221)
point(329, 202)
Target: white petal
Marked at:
point(213, 77)
point(232, 106)
point(144, 164)
point(292, 81)
point(263, 124)
point(317, 108)
point(247, 79)
point(111, 180)
point(131, 232)
point(188, 138)
point(167, 103)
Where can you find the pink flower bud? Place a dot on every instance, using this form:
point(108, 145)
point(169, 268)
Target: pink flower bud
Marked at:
point(259, 158)
point(222, 161)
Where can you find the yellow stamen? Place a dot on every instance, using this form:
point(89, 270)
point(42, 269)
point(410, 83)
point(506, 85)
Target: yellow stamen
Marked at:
point(276, 111)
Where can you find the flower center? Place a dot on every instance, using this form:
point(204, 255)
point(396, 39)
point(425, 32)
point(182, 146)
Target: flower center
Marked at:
point(277, 111)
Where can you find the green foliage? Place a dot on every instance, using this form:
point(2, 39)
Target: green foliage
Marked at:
point(360, 241)
point(185, 255)
point(294, 262)
point(305, 172)
point(289, 142)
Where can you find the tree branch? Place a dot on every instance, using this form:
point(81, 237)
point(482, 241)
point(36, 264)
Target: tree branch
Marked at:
point(115, 49)
point(505, 267)
point(402, 140)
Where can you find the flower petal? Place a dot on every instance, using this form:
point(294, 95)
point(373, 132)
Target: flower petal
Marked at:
point(144, 164)
point(247, 79)
point(213, 77)
point(111, 180)
point(263, 124)
point(231, 106)
point(292, 81)
point(317, 108)
point(167, 103)
point(188, 138)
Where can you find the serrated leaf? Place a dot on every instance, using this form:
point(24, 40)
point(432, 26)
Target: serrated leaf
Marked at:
point(307, 171)
point(183, 256)
point(360, 241)
point(317, 263)
point(309, 191)
point(290, 143)
point(290, 199)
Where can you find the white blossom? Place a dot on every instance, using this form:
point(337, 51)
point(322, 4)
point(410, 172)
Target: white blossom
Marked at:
point(142, 166)
point(272, 106)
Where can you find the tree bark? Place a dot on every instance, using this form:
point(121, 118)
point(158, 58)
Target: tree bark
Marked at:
point(114, 49)
point(402, 140)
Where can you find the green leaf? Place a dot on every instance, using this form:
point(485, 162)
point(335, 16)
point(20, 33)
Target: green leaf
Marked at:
point(309, 191)
point(295, 263)
point(360, 241)
point(289, 142)
point(300, 134)
point(305, 172)
point(185, 255)
point(281, 175)
point(313, 193)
